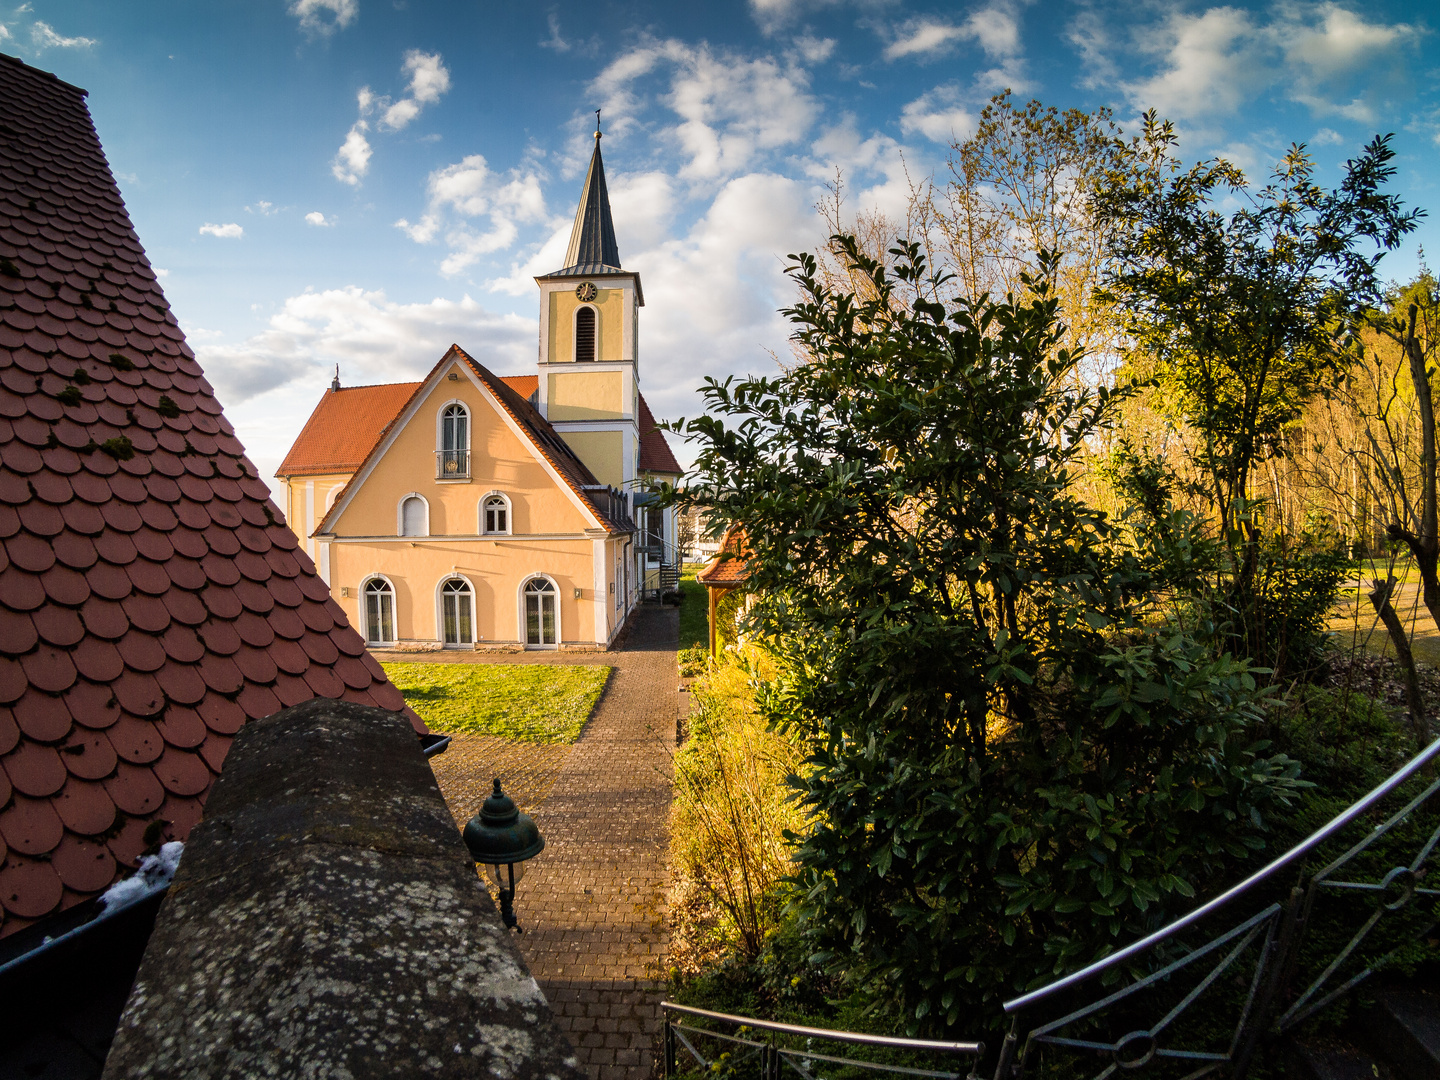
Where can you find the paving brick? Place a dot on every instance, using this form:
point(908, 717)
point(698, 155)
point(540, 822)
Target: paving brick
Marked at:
point(592, 904)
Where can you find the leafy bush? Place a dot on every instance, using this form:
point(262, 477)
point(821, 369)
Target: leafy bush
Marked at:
point(732, 808)
point(1013, 761)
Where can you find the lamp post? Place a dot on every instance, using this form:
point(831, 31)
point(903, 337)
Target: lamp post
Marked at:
point(500, 839)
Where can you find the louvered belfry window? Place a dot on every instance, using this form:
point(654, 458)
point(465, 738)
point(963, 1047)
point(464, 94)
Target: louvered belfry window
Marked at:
point(585, 334)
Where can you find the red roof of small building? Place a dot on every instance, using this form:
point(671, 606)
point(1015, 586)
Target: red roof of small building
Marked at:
point(655, 455)
point(152, 599)
point(727, 569)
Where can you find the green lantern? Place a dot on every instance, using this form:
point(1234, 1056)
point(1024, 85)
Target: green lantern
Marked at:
point(501, 839)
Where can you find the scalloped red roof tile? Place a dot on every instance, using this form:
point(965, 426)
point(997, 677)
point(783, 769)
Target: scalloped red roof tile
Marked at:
point(151, 597)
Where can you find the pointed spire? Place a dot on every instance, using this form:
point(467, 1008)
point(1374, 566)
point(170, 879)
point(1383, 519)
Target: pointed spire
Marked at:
point(592, 240)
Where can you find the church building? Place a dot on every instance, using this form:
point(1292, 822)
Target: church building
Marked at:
point(470, 510)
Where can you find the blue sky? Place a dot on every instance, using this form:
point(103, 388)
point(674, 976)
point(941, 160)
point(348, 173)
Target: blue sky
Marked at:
point(363, 182)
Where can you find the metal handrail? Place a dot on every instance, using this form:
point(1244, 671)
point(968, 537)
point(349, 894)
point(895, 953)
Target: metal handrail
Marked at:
point(1314, 840)
point(856, 1037)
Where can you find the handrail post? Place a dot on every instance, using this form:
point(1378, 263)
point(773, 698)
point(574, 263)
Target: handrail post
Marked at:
point(1271, 985)
point(668, 1049)
point(1007, 1050)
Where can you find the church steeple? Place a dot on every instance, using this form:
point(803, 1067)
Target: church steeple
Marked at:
point(589, 353)
point(592, 240)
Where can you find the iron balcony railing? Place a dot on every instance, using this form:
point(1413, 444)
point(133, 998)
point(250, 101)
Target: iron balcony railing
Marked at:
point(1260, 978)
point(452, 464)
point(1191, 999)
point(771, 1047)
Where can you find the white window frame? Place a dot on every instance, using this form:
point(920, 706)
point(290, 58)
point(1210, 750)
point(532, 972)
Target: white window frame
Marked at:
point(400, 513)
point(440, 611)
point(440, 425)
point(331, 496)
point(575, 333)
point(520, 611)
point(509, 514)
point(364, 622)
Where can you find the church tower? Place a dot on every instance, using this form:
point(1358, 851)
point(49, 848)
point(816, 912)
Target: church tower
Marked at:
point(589, 356)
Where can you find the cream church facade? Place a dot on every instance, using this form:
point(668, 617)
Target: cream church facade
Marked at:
point(472, 511)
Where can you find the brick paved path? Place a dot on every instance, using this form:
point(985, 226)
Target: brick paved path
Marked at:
point(592, 904)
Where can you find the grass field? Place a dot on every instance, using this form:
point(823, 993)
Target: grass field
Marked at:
point(535, 702)
point(694, 611)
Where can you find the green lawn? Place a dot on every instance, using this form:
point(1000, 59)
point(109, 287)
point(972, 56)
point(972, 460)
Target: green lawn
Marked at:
point(535, 702)
point(694, 612)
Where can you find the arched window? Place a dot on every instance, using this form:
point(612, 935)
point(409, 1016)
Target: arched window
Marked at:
point(542, 621)
point(379, 612)
point(414, 516)
point(453, 453)
point(457, 612)
point(585, 334)
point(495, 514)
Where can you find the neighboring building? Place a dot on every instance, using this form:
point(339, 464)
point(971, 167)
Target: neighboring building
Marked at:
point(469, 510)
point(722, 575)
point(152, 599)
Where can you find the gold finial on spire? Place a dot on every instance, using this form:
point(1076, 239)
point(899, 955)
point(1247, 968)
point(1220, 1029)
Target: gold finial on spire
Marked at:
point(597, 123)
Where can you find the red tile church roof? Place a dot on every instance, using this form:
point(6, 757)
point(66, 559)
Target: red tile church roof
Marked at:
point(344, 426)
point(151, 598)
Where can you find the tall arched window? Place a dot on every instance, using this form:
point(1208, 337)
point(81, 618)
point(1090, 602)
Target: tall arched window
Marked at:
point(542, 624)
point(457, 612)
point(495, 514)
point(585, 334)
point(454, 450)
point(414, 517)
point(379, 612)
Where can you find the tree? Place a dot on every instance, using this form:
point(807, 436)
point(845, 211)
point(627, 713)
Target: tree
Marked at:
point(1240, 317)
point(1376, 449)
point(1010, 762)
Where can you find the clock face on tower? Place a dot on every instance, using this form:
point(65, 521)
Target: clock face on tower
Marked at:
point(587, 291)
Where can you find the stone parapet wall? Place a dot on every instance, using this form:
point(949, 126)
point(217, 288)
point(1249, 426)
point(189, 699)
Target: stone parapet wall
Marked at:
point(326, 921)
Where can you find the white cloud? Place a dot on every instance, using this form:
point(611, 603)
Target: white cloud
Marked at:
point(1326, 137)
point(429, 79)
point(730, 109)
point(231, 231)
point(263, 208)
point(555, 41)
point(1213, 63)
point(815, 50)
point(43, 36)
point(1340, 43)
point(321, 18)
point(315, 217)
point(374, 338)
point(938, 115)
point(922, 37)
point(1323, 56)
point(352, 160)
point(160, 274)
point(995, 28)
point(468, 190)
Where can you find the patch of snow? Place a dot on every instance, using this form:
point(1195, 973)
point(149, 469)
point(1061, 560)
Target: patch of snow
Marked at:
point(154, 874)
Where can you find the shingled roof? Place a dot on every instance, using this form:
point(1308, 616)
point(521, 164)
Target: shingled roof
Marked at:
point(546, 441)
point(335, 438)
point(343, 428)
point(151, 598)
point(655, 453)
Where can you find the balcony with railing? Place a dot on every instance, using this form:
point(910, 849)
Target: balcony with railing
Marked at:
point(452, 464)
